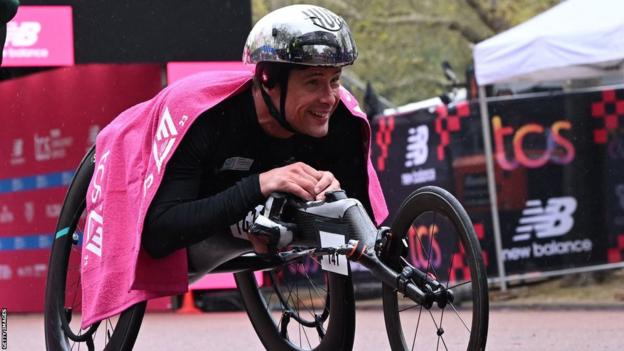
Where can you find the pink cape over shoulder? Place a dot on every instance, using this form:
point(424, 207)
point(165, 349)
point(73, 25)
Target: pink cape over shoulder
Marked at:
point(131, 155)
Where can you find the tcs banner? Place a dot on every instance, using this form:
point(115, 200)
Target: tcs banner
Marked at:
point(435, 146)
point(412, 150)
point(51, 120)
point(553, 221)
point(559, 173)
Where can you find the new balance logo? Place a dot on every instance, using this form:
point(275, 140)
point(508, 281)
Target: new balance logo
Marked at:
point(417, 148)
point(23, 34)
point(555, 219)
point(237, 164)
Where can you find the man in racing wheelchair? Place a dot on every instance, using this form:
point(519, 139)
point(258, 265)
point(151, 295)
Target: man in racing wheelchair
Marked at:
point(184, 169)
point(286, 132)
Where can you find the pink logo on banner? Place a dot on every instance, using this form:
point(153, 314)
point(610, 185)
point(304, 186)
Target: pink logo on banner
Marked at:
point(40, 36)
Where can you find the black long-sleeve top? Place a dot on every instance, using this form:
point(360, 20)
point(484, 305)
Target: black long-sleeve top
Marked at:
point(212, 179)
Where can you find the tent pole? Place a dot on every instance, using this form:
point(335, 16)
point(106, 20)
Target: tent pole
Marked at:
point(491, 177)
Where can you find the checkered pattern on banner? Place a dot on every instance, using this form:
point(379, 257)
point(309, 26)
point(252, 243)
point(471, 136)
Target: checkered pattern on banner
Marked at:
point(609, 110)
point(616, 254)
point(383, 139)
point(480, 231)
point(448, 121)
point(460, 270)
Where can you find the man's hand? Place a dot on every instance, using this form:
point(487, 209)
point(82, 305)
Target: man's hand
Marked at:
point(298, 179)
point(327, 183)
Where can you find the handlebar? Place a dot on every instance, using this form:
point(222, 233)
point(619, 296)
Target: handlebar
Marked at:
point(300, 223)
point(292, 221)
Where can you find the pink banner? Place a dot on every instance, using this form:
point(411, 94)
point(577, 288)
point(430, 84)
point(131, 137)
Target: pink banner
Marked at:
point(52, 119)
point(57, 114)
point(30, 212)
point(22, 279)
point(40, 36)
point(176, 71)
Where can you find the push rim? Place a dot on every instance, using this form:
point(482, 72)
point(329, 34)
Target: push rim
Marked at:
point(63, 303)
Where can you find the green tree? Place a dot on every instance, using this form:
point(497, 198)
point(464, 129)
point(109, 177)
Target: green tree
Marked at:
point(402, 43)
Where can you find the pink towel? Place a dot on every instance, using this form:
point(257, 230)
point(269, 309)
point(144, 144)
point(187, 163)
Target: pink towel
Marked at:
point(131, 155)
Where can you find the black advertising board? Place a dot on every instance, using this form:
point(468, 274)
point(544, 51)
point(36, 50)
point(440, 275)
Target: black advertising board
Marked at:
point(550, 220)
point(144, 31)
point(439, 146)
point(558, 169)
point(607, 111)
point(412, 150)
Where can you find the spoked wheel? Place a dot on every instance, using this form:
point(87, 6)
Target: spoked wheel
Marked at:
point(301, 307)
point(433, 234)
point(63, 286)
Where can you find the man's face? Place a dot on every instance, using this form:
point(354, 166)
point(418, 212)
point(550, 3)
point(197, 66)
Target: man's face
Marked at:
point(312, 98)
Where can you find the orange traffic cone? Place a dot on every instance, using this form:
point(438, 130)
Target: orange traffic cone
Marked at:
point(188, 304)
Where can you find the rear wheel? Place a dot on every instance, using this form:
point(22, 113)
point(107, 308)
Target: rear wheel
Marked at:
point(433, 234)
point(301, 307)
point(63, 285)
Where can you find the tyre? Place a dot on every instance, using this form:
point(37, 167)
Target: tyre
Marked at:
point(301, 307)
point(433, 233)
point(63, 287)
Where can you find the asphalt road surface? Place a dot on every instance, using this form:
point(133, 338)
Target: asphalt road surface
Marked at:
point(568, 330)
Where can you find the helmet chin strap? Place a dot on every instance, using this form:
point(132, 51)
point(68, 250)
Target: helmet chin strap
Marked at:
point(280, 116)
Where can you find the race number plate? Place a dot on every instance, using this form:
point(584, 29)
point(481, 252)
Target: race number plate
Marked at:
point(333, 263)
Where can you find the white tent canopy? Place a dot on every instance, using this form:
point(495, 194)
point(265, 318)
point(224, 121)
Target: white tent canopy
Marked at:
point(575, 39)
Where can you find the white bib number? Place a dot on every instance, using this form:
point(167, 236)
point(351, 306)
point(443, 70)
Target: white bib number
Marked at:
point(333, 263)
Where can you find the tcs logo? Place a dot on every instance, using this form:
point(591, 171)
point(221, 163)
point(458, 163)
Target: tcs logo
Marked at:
point(422, 256)
point(23, 34)
point(558, 149)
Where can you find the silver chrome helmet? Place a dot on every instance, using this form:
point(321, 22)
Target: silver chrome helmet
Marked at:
point(301, 34)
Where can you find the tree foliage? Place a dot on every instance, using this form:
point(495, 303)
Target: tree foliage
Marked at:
point(402, 43)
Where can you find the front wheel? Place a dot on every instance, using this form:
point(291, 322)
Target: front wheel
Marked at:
point(432, 233)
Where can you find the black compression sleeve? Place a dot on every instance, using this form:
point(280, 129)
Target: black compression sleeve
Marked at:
point(178, 216)
point(170, 227)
